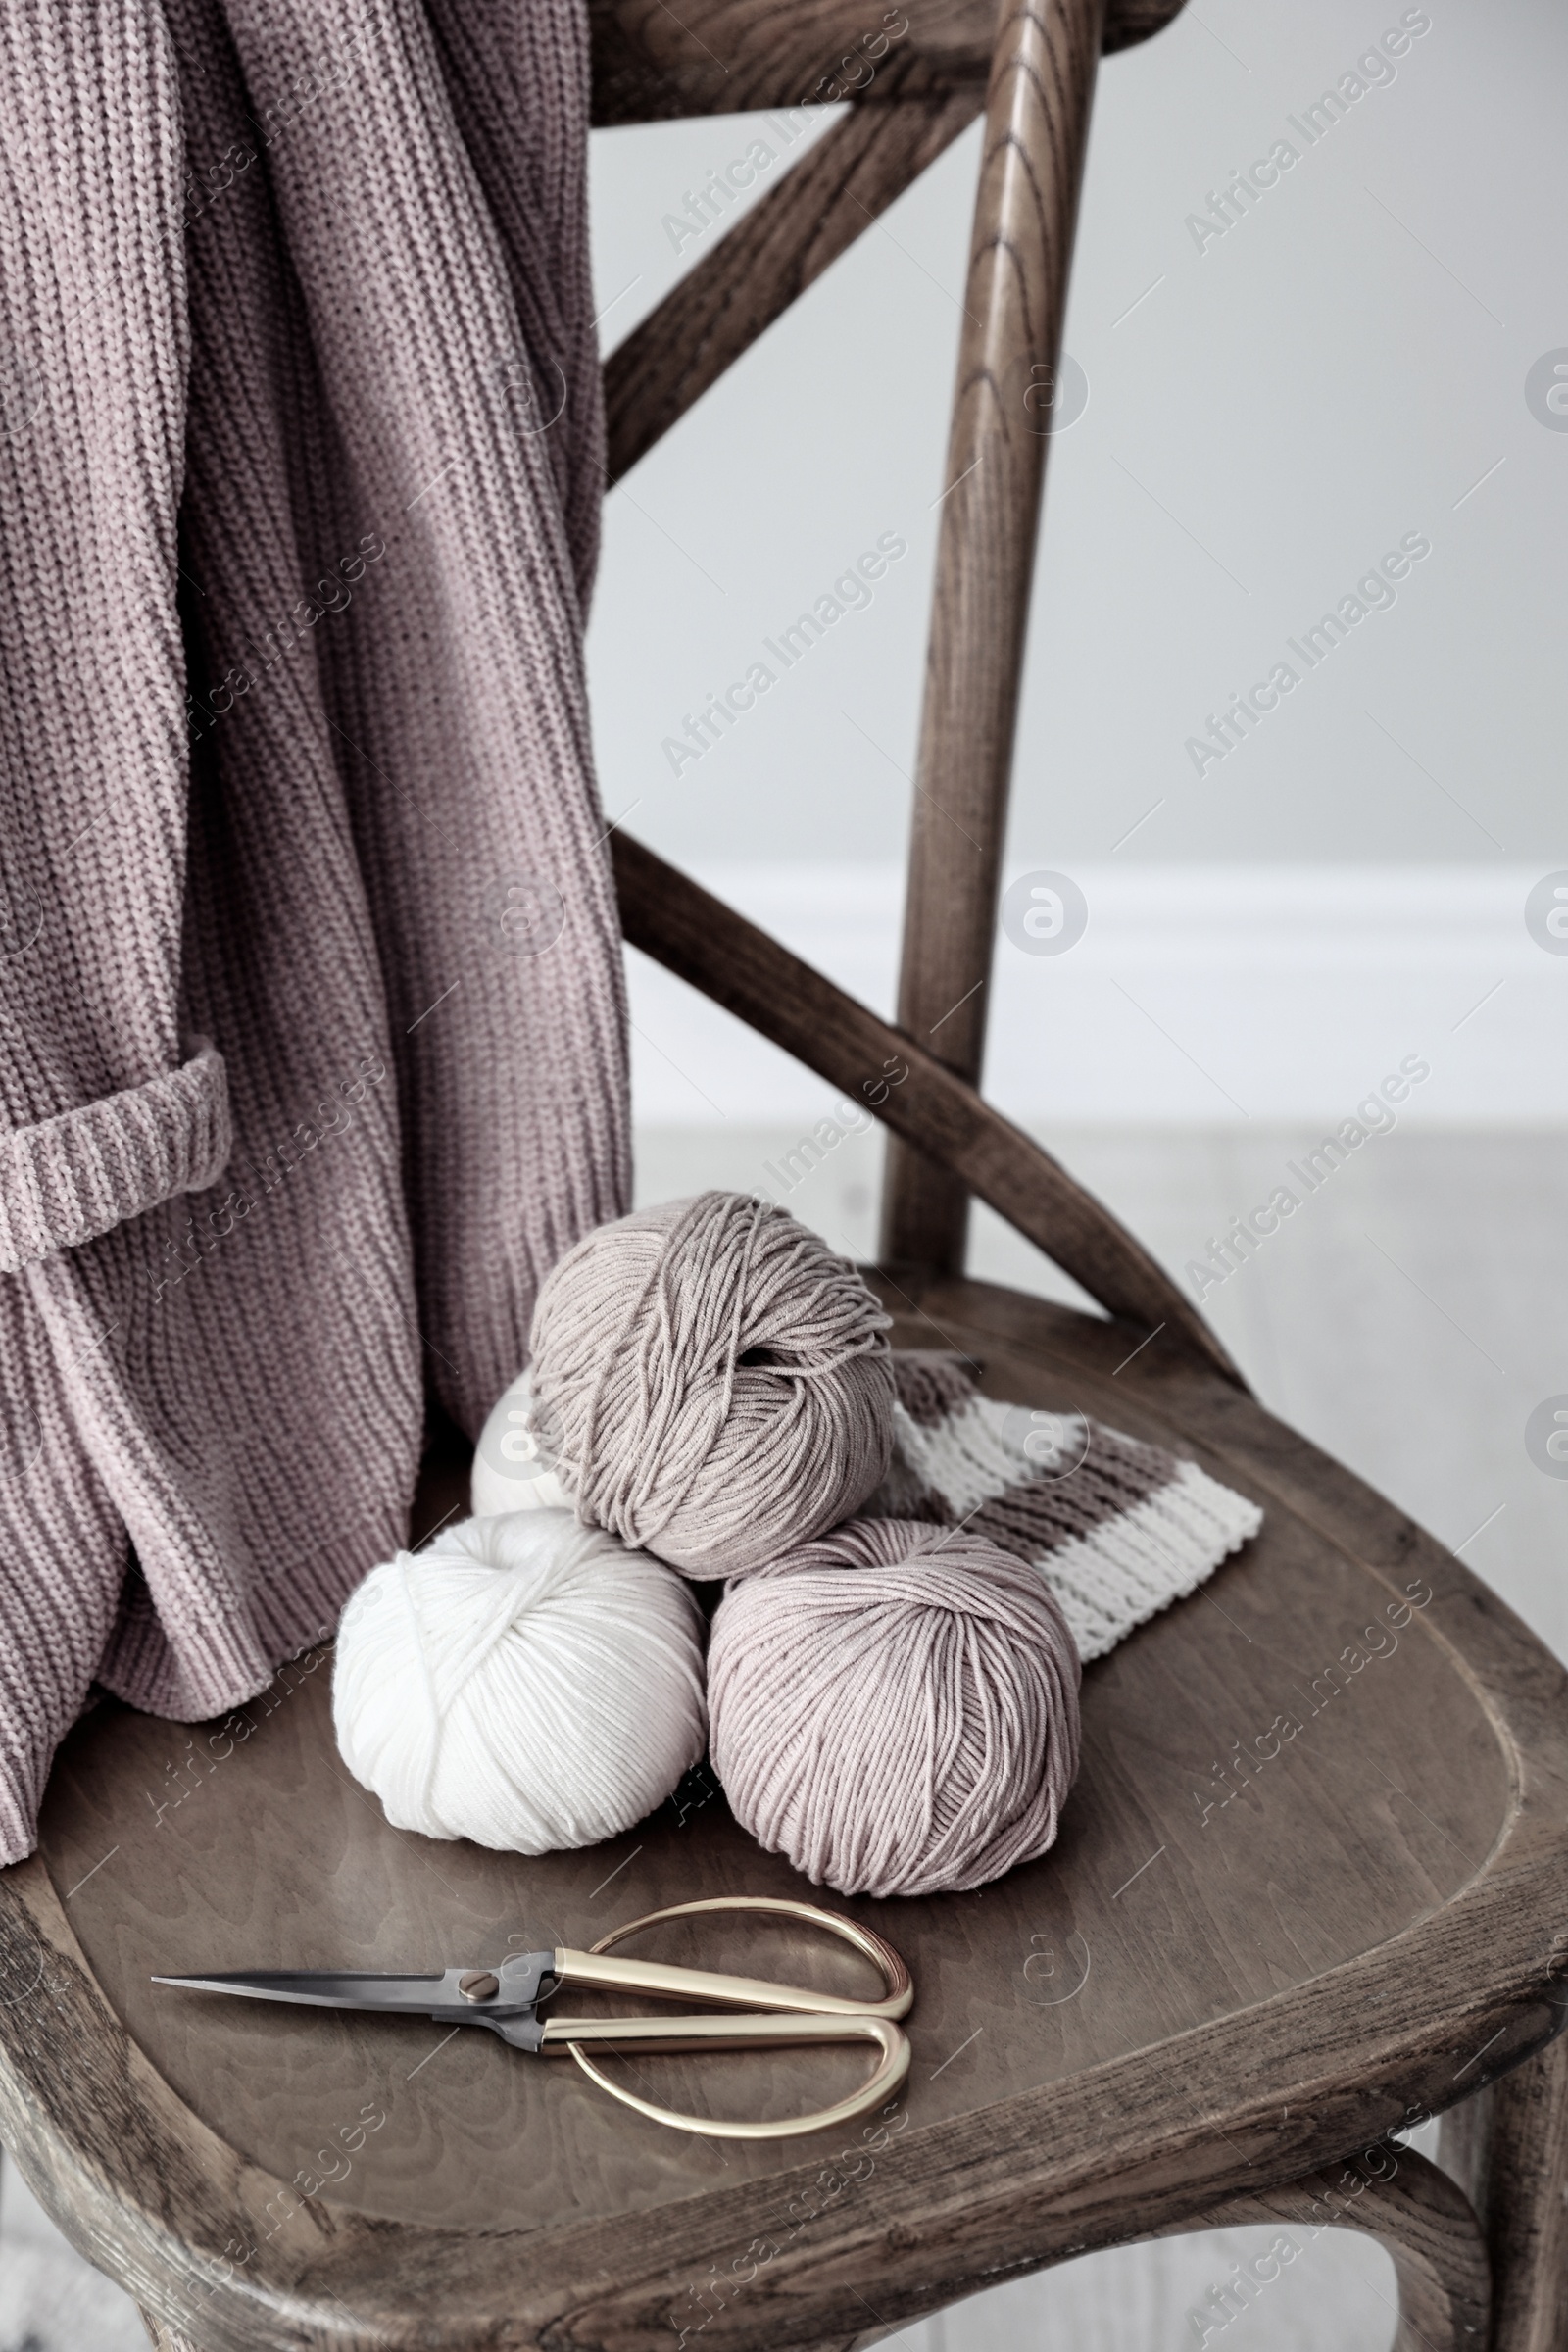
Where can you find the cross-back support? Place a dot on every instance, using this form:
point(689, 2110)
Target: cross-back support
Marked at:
point(926, 1104)
point(913, 91)
point(850, 176)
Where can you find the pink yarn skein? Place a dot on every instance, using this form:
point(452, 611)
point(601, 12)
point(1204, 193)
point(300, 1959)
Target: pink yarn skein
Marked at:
point(894, 1708)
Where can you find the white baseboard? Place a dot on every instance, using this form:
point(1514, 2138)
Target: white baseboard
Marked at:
point(1196, 996)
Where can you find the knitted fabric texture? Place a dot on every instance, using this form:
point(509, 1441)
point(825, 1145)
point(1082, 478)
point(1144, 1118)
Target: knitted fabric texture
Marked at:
point(1117, 1528)
point(312, 1056)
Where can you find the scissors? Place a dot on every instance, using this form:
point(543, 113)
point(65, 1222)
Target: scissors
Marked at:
point(509, 1996)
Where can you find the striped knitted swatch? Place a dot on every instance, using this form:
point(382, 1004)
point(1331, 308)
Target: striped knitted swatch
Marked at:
point(1117, 1528)
point(312, 1017)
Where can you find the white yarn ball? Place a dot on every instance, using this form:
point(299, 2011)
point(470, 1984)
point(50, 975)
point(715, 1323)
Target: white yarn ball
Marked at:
point(514, 1460)
point(526, 1682)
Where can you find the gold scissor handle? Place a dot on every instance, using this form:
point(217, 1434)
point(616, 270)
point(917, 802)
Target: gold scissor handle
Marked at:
point(788, 2016)
point(734, 2033)
point(666, 1983)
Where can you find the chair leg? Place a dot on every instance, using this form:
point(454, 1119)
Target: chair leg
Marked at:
point(1392, 2194)
point(1509, 2147)
point(1418, 2212)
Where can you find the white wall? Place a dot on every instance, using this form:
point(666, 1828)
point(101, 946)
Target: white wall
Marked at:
point(1215, 996)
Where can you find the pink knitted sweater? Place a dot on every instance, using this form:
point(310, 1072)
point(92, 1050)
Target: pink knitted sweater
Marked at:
point(312, 1033)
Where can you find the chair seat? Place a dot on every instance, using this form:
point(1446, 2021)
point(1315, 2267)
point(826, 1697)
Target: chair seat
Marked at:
point(1253, 1949)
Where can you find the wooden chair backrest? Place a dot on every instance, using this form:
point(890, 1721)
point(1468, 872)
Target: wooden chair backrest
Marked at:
point(651, 64)
point(917, 76)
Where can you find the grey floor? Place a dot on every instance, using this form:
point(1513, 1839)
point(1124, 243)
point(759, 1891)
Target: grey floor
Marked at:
point(1409, 1319)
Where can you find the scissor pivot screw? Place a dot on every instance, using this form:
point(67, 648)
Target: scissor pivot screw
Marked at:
point(478, 1986)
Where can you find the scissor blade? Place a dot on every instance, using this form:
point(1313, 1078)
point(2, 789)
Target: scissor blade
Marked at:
point(514, 1989)
point(322, 1988)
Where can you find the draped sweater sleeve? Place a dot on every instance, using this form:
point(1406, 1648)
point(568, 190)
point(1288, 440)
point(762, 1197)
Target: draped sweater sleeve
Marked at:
point(106, 1111)
point(311, 1013)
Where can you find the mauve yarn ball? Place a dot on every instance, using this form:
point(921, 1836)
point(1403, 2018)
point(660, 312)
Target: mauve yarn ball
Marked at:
point(894, 1708)
point(714, 1382)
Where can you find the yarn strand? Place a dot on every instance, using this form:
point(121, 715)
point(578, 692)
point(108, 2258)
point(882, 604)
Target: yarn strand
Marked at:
point(718, 1379)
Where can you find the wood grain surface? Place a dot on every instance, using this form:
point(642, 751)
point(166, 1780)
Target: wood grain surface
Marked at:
point(1509, 2147)
point(1026, 209)
point(651, 63)
point(781, 246)
point(1216, 1980)
point(695, 935)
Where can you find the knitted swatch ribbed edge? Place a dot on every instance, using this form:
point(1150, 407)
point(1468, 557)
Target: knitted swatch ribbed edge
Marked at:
point(1125, 1528)
point(1128, 1528)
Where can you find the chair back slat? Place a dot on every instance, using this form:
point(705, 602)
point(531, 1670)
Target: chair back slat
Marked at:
point(880, 1070)
point(653, 62)
point(804, 222)
point(1037, 127)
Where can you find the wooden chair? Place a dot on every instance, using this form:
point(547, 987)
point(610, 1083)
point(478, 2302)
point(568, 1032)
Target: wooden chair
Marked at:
point(1255, 1954)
